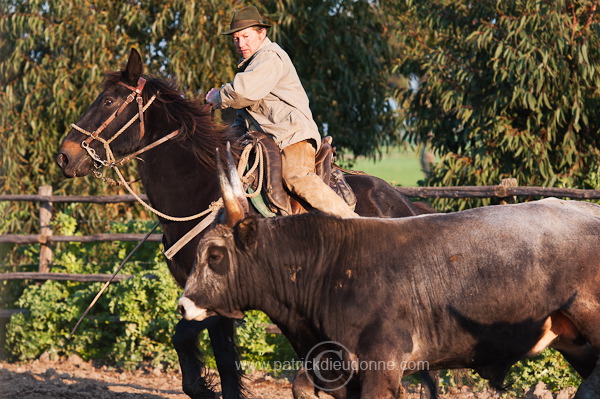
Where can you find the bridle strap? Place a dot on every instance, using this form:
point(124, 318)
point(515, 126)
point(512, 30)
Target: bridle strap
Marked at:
point(139, 88)
point(138, 91)
point(110, 161)
point(136, 94)
point(148, 147)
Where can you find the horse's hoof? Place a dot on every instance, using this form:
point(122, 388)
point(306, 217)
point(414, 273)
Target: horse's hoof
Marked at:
point(199, 391)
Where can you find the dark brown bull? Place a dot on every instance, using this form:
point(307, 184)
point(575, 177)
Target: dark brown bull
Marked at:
point(482, 289)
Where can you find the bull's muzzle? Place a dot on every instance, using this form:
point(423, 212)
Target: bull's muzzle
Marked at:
point(188, 309)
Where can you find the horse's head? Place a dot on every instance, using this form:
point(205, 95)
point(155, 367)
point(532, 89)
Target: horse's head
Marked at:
point(102, 134)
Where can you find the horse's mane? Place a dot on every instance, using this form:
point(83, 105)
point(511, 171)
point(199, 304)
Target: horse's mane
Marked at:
point(197, 130)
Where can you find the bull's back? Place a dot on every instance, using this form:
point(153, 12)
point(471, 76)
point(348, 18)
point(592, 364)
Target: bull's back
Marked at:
point(498, 267)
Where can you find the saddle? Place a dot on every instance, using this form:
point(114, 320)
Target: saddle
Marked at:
point(278, 199)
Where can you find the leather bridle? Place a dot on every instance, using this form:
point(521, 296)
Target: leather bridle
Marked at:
point(135, 95)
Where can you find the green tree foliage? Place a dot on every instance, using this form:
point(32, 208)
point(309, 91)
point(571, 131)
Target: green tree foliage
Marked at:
point(506, 89)
point(341, 50)
point(53, 55)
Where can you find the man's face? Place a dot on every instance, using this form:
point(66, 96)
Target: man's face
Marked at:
point(248, 40)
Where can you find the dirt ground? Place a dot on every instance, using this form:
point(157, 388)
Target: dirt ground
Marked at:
point(75, 379)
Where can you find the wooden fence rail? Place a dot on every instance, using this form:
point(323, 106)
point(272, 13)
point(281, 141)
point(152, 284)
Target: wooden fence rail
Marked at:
point(508, 188)
point(500, 191)
point(62, 276)
point(45, 238)
point(93, 199)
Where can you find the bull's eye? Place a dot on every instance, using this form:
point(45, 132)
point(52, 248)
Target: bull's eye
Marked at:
point(213, 258)
point(217, 260)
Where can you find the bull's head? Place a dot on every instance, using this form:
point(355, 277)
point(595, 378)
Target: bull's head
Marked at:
point(214, 281)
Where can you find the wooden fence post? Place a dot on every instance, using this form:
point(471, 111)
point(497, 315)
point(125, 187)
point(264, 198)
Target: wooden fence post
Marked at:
point(45, 230)
point(507, 184)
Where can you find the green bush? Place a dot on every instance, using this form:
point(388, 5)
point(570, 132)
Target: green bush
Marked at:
point(260, 350)
point(548, 367)
point(133, 321)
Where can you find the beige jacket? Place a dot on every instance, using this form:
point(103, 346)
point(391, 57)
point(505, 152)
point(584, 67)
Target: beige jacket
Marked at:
point(269, 96)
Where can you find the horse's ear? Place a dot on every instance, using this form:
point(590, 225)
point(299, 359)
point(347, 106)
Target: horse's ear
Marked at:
point(134, 69)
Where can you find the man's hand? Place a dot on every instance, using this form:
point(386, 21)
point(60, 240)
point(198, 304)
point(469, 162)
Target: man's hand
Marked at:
point(213, 97)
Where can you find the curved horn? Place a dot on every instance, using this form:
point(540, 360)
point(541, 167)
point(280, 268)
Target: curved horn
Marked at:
point(233, 210)
point(235, 181)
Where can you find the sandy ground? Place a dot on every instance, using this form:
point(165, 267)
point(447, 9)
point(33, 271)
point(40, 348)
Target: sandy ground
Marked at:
point(75, 379)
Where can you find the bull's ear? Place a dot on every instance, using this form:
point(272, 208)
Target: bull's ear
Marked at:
point(247, 232)
point(134, 69)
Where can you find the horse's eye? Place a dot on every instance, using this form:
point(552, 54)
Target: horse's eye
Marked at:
point(108, 102)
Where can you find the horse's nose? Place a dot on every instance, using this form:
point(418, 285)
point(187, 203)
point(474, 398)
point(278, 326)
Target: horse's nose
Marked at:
point(62, 160)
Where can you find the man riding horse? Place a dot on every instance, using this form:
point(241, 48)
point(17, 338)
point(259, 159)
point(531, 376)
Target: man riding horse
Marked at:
point(269, 98)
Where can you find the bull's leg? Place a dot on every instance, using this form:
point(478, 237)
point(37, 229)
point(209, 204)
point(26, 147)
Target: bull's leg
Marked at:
point(381, 384)
point(429, 384)
point(581, 357)
point(303, 388)
point(590, 388)
point(228, 363)
point(195, 380)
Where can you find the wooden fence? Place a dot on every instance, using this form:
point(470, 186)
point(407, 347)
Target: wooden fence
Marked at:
point(45, 237)
point(506, 189)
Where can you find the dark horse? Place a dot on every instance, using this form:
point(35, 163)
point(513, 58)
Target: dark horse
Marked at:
point(179, 177)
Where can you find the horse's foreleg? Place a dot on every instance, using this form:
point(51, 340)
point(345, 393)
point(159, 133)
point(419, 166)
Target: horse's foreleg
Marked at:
point(195, 379)
point(222, 340)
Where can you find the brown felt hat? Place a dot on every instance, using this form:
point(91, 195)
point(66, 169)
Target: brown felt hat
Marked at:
point(245, 18)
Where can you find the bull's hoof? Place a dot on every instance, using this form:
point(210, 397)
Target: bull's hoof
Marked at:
point(301, 394)
point(303, 388)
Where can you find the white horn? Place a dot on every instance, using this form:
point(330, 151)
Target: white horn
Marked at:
point(234, 179)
